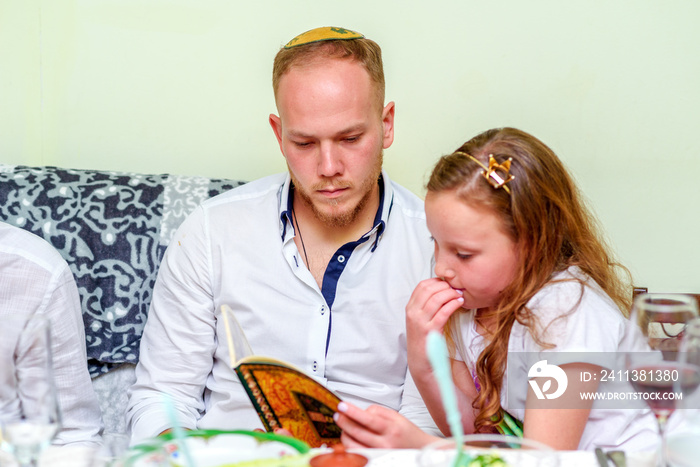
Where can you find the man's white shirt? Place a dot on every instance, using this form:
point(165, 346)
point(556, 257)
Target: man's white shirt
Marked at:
point(238, 249)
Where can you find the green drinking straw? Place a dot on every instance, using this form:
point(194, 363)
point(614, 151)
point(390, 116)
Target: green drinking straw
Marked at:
point(178, 432)
point(436, 349)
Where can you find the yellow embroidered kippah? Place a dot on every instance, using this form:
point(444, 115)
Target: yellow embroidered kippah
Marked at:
point(323, 34)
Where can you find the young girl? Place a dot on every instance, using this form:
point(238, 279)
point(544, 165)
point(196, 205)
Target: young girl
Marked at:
point(520, 269)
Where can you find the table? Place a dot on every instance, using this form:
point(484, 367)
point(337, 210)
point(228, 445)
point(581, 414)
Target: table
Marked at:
point(408, 458)
point(81, 456)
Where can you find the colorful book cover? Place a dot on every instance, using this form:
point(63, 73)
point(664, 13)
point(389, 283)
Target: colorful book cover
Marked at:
point(284, 396)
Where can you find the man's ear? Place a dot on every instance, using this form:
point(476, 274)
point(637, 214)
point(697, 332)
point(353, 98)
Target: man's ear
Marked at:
point(388, 122)
point(276, 124)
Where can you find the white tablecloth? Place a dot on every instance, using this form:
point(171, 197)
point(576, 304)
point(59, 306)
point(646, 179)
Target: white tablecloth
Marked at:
point(408, 457)
point(82, 457)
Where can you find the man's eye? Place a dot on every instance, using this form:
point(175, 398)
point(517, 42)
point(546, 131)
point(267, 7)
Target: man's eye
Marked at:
point(301, 144)
point(351, 139)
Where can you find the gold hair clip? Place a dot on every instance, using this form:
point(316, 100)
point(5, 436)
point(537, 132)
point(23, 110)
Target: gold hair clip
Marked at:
point(498, 175)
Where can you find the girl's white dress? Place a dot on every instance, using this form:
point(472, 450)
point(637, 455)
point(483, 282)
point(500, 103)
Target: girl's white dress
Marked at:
point(591, 330)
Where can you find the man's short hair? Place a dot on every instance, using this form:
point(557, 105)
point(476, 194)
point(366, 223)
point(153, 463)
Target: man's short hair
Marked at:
point(365, 51)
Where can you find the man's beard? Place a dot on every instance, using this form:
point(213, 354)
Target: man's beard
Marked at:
point(345, 218)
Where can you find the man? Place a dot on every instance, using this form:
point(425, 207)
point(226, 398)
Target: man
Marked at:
point(36, 281)
point(317, 264)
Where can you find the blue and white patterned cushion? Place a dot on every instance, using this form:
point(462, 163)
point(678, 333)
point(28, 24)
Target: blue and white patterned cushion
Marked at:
point(112, 228)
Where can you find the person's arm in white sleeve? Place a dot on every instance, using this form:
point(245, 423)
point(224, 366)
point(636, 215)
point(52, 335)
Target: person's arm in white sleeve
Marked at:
point(413, 408)
point(81, 417)
point(178, 343)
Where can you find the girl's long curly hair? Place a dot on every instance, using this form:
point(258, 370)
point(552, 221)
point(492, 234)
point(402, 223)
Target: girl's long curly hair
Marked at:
point(547, 219)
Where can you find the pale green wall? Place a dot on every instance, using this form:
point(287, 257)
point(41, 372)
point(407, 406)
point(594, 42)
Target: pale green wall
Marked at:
point(183, 86)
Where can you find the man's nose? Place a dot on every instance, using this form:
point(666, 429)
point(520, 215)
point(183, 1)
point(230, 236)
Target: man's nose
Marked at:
point(330, 163)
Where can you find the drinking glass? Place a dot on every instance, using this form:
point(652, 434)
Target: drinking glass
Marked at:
point(657, 324)
point(682, 441)
point(512, 450)
point(112, 450)
point(29, 414)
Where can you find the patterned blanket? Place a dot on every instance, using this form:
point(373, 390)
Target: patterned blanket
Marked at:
point(112, 228)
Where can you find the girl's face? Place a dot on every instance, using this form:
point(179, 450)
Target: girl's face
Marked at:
point(472, 251)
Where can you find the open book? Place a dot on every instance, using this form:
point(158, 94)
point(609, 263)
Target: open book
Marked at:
point(284, 396)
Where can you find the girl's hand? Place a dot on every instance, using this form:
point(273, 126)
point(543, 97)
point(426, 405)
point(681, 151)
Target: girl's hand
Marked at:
point(378, 427)
point(430, 306)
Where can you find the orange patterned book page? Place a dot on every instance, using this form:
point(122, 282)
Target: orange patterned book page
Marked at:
point(287, 398)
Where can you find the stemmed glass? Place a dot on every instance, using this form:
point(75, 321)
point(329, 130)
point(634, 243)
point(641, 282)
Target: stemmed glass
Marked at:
point(29, 413)
point(657, 324)
point(681, 447)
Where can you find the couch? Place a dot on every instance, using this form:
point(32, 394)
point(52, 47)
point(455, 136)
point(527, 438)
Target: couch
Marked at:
point(112, 228)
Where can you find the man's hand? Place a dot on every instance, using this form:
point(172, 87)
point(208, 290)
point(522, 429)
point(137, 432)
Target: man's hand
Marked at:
point(278, 431)
point(170, 430)
point(378, 427)
point(283, 432)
